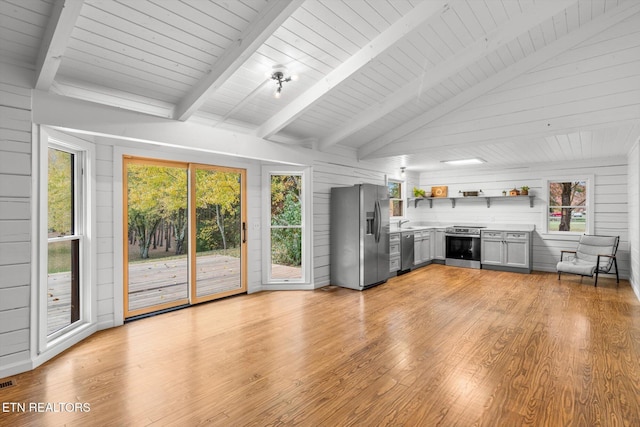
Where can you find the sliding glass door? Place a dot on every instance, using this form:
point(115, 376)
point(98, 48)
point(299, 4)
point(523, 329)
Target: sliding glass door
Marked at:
point(183, 234)
point(219, 235)
point(156, 246)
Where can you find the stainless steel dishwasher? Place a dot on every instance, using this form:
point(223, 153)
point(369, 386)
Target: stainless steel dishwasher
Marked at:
point(406, 250)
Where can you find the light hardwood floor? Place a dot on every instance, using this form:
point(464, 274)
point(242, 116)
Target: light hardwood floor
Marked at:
point(438, 346)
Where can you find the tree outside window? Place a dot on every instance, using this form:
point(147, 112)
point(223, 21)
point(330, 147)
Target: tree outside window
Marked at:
point(286, 226)
point(64, 238)
point(396, 202)
point(568, 206)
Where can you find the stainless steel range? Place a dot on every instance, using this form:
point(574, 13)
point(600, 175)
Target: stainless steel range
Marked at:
point(463, 246)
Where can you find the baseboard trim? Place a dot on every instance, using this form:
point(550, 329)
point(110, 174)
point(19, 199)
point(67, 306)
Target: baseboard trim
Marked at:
point(16, 368)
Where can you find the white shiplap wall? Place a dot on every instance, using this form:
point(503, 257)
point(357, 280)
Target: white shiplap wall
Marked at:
point(104, 236)
point(633, 179)
point(610, 203)
point(15, 217)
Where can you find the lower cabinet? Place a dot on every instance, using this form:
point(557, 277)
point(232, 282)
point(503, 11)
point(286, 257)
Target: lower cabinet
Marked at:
point(421, 247)
point(438, 244)
point(394, 252)
point(506, 250)
point(427, 245)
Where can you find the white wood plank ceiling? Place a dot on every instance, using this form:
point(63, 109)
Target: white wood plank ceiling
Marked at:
point(511, 81)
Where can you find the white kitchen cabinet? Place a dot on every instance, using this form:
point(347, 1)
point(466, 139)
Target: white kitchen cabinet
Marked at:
point(394, 252)
point(438, 243)
point(426, 246)
point(421, 247)
point(506, 250)
point(417, 248)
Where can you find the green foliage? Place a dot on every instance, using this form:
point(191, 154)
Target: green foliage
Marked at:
point(286, 246)
point(218, 209)
point(158, 194)
point(285, 196)
point(209, 235)
point(60, 193)
point(59, 257)
point(395, 189)
point(286, 216)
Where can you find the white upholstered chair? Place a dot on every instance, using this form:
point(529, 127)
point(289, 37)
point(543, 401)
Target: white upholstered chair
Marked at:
point(595, 254)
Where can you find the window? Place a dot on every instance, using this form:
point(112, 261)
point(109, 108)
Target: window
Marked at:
point(569, 209)
point(66, 308)
point(64, 240)
point(287, 242)
point(396, 197)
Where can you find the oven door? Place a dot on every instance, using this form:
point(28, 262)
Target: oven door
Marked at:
point(462, 247)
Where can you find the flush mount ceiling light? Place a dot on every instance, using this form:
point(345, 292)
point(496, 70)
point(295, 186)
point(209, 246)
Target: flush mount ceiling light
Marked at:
point(462, 162)
point(280, 74)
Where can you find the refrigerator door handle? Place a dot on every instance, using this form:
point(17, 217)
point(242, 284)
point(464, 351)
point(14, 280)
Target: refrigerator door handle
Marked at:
point(378, 223)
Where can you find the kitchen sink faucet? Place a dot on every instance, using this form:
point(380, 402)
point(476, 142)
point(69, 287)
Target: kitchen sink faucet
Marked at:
point(402, 221)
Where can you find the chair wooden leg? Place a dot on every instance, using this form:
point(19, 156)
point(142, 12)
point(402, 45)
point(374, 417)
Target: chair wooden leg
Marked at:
point(558, 275)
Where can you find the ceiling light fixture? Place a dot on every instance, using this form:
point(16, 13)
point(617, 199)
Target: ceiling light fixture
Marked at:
point(463, 162)
point(280, 74)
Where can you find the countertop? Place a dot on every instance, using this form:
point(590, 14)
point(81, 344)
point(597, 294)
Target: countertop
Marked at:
point(488, 227)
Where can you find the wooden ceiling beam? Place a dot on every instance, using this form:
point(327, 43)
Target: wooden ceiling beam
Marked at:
point(482, 47)
point(250, 40)
point(424, 12)
point(55, 40)
point(379, 146)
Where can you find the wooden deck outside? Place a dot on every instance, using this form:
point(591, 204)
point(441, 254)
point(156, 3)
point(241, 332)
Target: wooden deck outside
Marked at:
point(157, 282)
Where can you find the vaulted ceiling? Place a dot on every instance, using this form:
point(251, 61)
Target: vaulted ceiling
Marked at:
point(510, 81)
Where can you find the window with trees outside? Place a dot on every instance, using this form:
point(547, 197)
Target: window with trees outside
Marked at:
point(568, 206)
point(396, 197)
point(286, 226)
point(64, 235)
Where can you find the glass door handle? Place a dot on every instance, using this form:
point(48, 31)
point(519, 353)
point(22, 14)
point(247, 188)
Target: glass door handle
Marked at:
point(244, 232)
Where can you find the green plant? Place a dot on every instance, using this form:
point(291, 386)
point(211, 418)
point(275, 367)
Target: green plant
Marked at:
point(524, 188)
point(418, 192)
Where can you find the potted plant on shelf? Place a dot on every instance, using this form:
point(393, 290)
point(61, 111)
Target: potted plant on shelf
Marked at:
point(524, 190)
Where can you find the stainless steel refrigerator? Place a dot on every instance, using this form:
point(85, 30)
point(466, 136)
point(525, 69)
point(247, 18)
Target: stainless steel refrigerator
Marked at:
point(359, 236)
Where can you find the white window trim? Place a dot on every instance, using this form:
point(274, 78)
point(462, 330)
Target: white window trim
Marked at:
point(45, 347)
point(306, 280)
point(589, 179)
point(403, 197)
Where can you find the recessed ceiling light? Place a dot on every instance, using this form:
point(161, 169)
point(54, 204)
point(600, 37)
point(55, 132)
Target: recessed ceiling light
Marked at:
point(461, 162)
